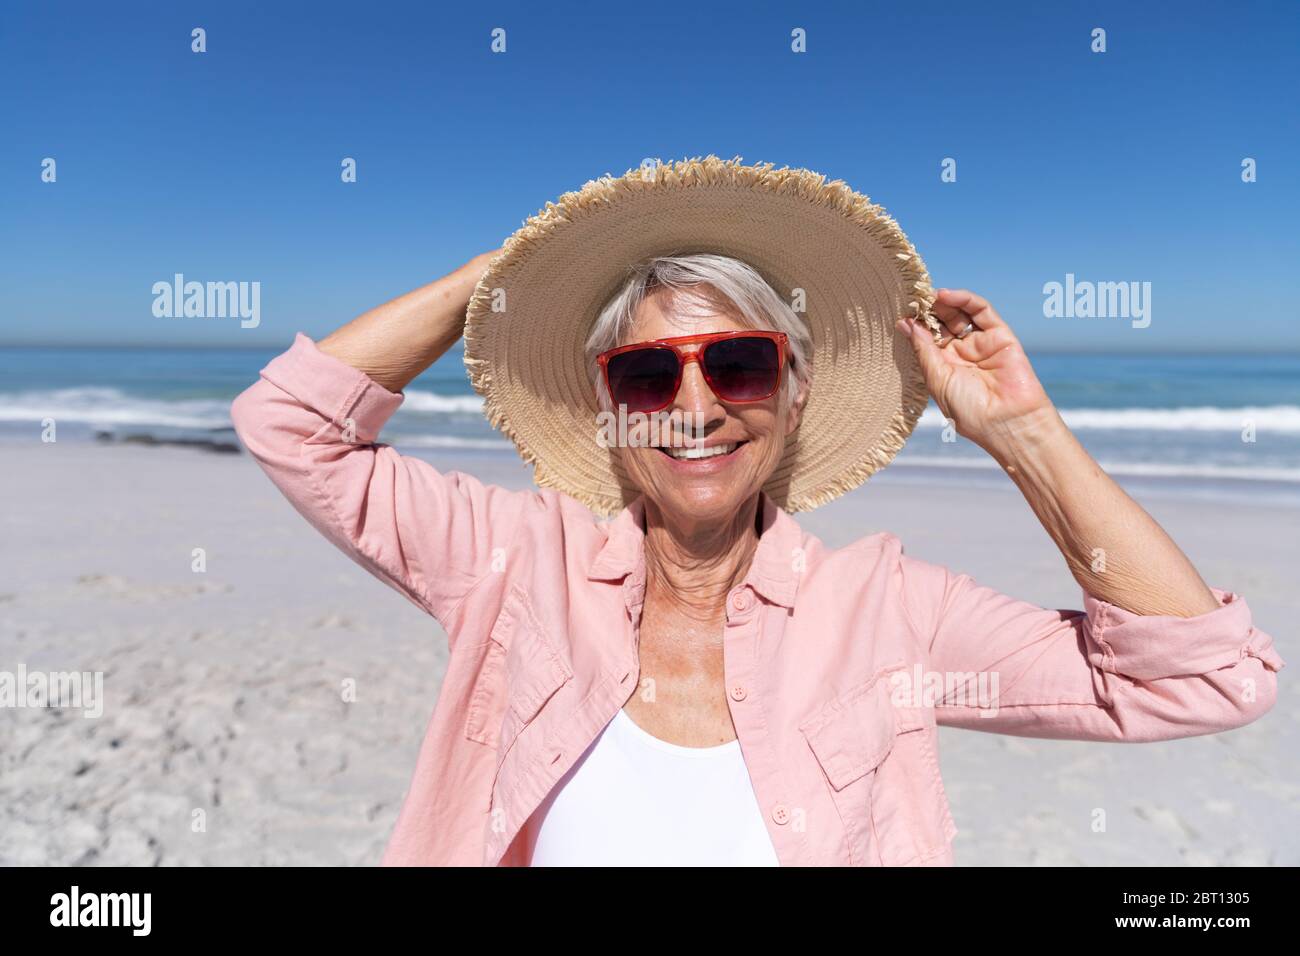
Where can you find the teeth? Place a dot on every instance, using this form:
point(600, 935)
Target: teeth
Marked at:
point(691, 454)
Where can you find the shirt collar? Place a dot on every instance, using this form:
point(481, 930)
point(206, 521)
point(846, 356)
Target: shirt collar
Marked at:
point(773, 572)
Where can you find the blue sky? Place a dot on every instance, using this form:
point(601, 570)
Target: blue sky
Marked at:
point(1122, 166)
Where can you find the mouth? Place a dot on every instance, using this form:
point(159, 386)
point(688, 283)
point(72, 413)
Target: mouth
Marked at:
point(707, 453)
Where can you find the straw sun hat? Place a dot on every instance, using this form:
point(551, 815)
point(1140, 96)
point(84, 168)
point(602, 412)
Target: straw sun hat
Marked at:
point(529, 318)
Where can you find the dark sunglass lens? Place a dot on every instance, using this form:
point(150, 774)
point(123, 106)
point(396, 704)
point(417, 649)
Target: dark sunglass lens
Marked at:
point(642, 379)
point(744, 368)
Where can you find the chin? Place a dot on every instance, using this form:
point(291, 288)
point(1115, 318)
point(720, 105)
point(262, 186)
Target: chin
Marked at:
point(705, 503)
point(714, 491)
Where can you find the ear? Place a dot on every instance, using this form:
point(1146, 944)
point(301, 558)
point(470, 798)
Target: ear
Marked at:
point(795, 416)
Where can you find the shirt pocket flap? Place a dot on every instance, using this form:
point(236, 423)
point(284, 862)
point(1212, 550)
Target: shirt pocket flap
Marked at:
point(519, 672)
point(534, 669)
point(853, 733)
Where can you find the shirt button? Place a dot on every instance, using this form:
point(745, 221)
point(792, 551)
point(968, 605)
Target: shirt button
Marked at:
point(780, 814)
point(738, 692)
point(740, 601)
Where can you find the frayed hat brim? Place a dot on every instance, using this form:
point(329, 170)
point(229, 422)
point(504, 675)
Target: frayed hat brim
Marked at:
point(530, 315)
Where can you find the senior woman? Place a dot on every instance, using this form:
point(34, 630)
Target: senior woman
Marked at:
point(698, 681)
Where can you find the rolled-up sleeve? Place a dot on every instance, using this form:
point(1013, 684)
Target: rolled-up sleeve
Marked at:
point(1103, 673)
point(312, 423)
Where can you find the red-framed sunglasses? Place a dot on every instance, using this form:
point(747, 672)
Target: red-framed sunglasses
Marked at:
point(741, 366)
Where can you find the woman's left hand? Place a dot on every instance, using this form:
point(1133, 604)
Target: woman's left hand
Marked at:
point(982, 381)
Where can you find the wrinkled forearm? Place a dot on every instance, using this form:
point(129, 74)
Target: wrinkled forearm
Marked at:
point(395, 342)
point(1114, 549)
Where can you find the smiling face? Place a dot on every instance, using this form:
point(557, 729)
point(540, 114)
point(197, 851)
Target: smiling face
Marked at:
point(742, 443)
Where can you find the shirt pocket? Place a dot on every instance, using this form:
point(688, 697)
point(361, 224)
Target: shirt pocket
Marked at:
point(882, 768)
point(521, 671)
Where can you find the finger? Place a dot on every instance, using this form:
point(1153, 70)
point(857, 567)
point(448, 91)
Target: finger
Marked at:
point(952, 317)
point(955, 323)
point(972, 347)
point(907, 323)
point(927, 353)
point(976, 308)
point(957, 335)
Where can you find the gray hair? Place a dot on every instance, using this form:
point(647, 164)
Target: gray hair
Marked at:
point(702, 284)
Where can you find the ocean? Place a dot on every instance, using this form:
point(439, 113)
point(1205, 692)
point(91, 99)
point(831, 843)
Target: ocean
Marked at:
point(1208, 426)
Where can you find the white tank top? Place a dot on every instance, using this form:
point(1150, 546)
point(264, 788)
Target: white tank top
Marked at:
point(634, 800)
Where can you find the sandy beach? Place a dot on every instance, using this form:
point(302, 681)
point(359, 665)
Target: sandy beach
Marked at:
point(226, 737)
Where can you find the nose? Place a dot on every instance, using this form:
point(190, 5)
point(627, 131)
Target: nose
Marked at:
point(696, 399)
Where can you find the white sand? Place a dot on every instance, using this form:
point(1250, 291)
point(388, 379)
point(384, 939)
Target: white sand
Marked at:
point(224, 689)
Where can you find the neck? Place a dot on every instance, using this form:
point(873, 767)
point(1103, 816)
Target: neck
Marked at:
point(692, 566)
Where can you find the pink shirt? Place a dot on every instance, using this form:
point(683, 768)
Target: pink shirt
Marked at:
point(839, 664)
